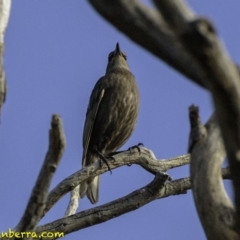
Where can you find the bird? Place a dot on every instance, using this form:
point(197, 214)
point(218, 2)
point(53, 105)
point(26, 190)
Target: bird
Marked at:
point(110, 118)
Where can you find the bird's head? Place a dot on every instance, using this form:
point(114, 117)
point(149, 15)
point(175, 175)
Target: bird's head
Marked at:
point(117, 59)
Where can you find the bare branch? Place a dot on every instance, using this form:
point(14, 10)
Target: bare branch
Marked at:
point(198, 131)
point(145, 158)
point(37, 201)
point(214, 207)
point(153, 191)
point(224, 82)
point(176, 13)
point(222, 78)
point(146, 27)
point(73, 202)
point(110, 210)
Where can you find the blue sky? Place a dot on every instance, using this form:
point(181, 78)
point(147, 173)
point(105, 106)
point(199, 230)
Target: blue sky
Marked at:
point(55, 52)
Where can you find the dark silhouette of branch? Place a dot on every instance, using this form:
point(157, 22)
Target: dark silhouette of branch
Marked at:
point(199, 38)
point(146, 27)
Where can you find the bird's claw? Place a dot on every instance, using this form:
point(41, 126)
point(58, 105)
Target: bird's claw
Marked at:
point(136, 146)
point(104, 159)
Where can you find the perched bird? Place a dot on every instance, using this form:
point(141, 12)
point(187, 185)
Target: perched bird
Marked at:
point(111, 116)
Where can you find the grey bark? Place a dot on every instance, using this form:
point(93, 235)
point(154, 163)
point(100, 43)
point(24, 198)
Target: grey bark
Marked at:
point(38, 198)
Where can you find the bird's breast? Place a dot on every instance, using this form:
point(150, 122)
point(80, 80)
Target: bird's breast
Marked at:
point(117, 113)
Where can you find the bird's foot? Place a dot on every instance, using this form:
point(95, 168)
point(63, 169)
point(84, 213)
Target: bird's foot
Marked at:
point(136, 146)
point(104, 159)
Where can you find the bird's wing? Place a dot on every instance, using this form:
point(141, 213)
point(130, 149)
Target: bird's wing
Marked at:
point(94, 102)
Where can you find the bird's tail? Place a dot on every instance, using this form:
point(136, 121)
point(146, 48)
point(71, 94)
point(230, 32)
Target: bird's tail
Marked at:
point(90, 187)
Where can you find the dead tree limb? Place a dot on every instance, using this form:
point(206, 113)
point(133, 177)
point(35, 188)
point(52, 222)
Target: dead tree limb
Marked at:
point(199, 38)
point(145, 159)
point(155, 190)
point(37, 201)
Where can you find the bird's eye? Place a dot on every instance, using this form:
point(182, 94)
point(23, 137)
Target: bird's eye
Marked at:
point(110, 56)
point(124, 56)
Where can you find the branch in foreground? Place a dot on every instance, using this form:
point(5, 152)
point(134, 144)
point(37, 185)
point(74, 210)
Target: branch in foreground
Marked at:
point(224, 82)
point(214, 207)
point(39, 194)
point(175, 13)
point(146, 27)
point(182, 12)
point(155, 190)
point(222, 77)
point(145, 158)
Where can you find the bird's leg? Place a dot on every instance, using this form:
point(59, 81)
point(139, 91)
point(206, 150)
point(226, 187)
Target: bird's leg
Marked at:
point(104, 159)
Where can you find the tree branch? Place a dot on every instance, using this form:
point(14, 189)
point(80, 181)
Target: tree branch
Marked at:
point(222, 78)
point(38, 198)
point(176, 14)
point(73, 202)
point(146, 27)
point(214, 207)
point(224, 82)
point(157, 189)
point(145, 158)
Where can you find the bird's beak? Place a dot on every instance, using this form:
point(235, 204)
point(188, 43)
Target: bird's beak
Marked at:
point(117, 50)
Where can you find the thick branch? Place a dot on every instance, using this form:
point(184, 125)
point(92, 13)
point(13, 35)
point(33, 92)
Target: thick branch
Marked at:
point(145, 158)
point(222, 78)
point(37, 201)
point(175, 12)
point(146, 27)
point(153, 191)
point(224, 82)
point(214, 207)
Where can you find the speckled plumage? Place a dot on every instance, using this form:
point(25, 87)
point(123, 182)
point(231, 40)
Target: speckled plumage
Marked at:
point(111, 116)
